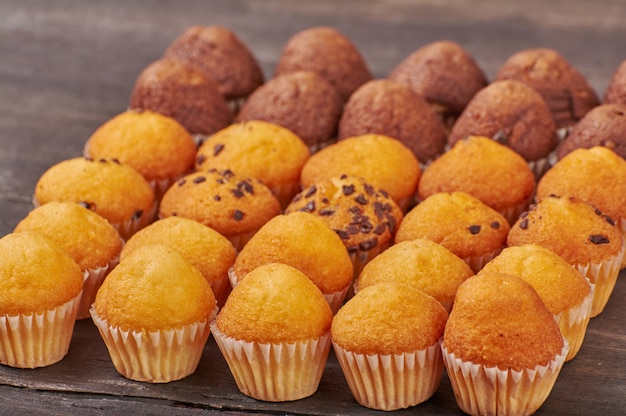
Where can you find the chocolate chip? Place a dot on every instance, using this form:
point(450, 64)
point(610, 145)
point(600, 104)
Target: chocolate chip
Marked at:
point(342, 234)
point(310, 206)
point(311, 191)
point(380, 229)
point(297, 197)
point(217, 149)
point(599, 239)
point(355, 210)
point(199, 179)
point(86, 204)
point(474, 229)
point(348, 190)
point(238, 215)
point(246, 186)
point(366, 227)
point(217, 198)
point(369, 189)
point(200, 159)
point(182, 182)
point(361, 199)
point(137, 214)
point(378, 210)
point(384, 193)
point(325, 212)
point(228, 173)
point(392, 222)
point(352, 229)
point(368, 244)
point(495, 225)
point(352, 249)
point(325, 200)
point(523, 224)
point(238, 193)
point(116, 160)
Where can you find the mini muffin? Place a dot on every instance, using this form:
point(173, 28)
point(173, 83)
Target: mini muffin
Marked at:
point(233, 205)
point(384, 162)
point(183, 93)
point(153, 313)
point(302, 101)
point(502, 348)
point(445, 74)
point(386, 341)
point(561, 287)
point(486, 169)
point(581, 234)
point(306, 242)
point(264, 151)
point(90, 240)
point(112, 190)
point(156, 146)
point(274, 332)
point(524, 124)
point(461, 223)
point(329, 53)
point(616, 90)
point(364, 217)
point(420, 263)
point(40, 289)
point(389, 108)
point(206, 249)
point(566, 91)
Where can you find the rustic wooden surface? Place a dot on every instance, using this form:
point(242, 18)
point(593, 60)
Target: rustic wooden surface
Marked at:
point(67, 66)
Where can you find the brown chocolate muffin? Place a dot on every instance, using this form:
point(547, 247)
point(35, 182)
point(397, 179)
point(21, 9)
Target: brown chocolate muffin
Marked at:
point(616, 91)
point(328, 52)
point(387, 107)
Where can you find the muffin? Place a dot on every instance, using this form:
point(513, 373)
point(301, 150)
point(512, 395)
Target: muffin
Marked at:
point(502, 348)
point(329, 53)
point(524, 124)
point(461, 223)
point(233, 205)
point(486, 169)
point(306, 242)
point(40, 289)
point(419, 263)
point(206, 249)
point(386, 341)
point(561, 287)
point(616, 90)
point(389, 108)
point(112, 190)
point(264, 151)
point(445, 74)
point(90, 240)
point(153, 313)
point(581, 234)
point(384, 162)
point(273, 332)
point(302, 101)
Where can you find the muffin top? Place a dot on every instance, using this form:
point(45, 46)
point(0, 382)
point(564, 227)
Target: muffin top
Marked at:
point(616, 90)
point(500, 320)
point(389, 318)
point(154, 288)
point(389, 108)
point(275, 303)
point(35, 274)
point(301, 240)
point(86, 237)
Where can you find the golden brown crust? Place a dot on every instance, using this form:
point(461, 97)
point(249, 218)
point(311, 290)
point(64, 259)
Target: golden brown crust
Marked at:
point(616, 90)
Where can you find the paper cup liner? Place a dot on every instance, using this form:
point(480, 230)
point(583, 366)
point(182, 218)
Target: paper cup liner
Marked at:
point(38, 339)
point(621, 224)
point(285, 192)
point(274, 372)
point(92, 280)
point(127, 228)
point(512, 213)
point(481, 390)
point(476, 263)
point(540, 166)
point(157, 356)
point(394, 381)
point(359, 259)
point(240, 240)
point(573, 323)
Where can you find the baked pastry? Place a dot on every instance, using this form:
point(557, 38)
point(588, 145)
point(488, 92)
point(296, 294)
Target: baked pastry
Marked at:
point(419, 263)
point(486, 169)
point(392, 109)
point(565, 291)
point(328, 52)
point(90, 240)
point(302, 101)
point(40, 289)
point(386, 339)
point(461, 223)
point(206, 249)
point(306, 242)
point(112, 190)
point(153, 313)
point(616, 90)
point(502, 348)
point(273, 332)
point(258, 149)
point(233, 205)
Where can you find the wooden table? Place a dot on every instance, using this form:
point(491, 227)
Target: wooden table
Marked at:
point(68, 66)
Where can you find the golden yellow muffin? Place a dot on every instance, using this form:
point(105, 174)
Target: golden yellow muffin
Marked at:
point(562, 288)
point(37, 279)
point(419, 263)
point(90, 240)
point(153, 313)
point(282, 322)
point(264, 151)
point(581, 234)
point(112, 190)
point(502, 348)
point(233, 205)
point(206, 249)
point(386, 339)
point(461, 223)
point(155, 145)
point(383, 162)
point(486, 169)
